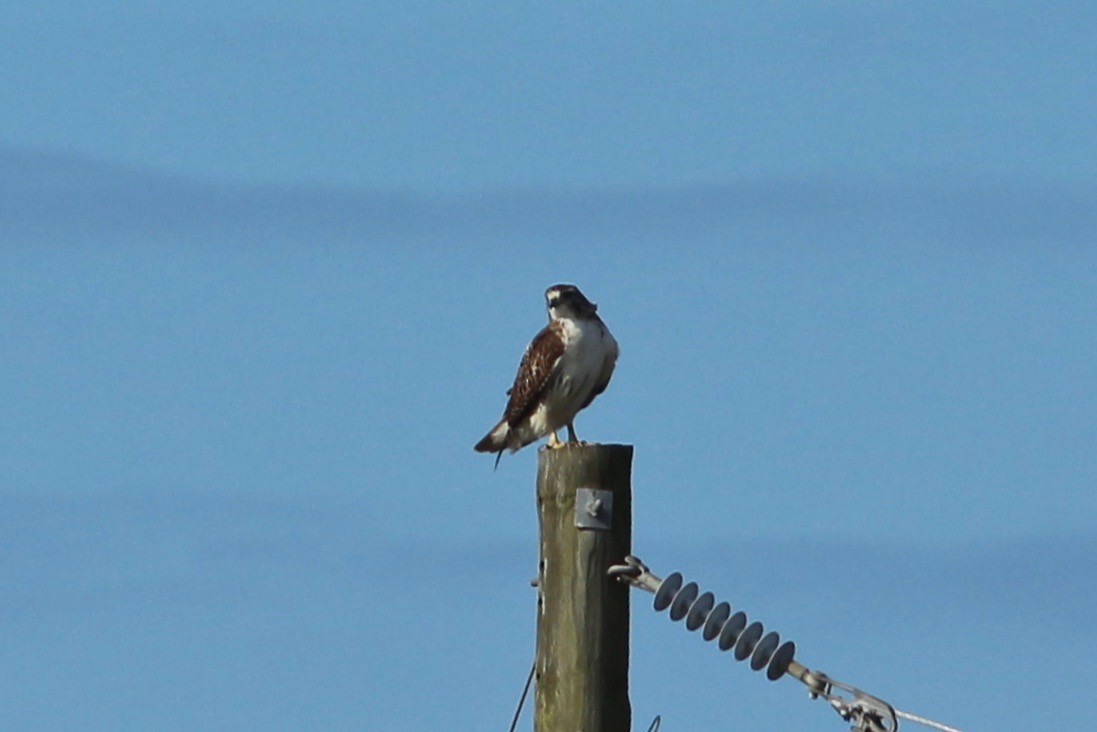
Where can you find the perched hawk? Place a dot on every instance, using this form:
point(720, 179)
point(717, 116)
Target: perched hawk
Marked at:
point(563, 369)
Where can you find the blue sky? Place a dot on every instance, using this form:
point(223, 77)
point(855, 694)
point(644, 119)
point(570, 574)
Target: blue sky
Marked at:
point(266, 273)
point(474, 95)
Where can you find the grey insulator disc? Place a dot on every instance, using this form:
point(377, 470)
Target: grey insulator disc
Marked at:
point(667, 590)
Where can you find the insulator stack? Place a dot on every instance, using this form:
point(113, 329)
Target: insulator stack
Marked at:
point(732, 631)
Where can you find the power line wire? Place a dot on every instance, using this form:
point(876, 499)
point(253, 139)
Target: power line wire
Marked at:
point(522, 699)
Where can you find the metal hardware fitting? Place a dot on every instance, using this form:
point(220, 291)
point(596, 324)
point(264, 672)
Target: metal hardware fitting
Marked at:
point(593, 509)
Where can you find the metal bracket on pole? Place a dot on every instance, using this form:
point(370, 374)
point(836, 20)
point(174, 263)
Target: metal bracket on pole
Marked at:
point(593, 509)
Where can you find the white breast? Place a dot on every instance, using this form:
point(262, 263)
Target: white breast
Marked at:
point(590, 353)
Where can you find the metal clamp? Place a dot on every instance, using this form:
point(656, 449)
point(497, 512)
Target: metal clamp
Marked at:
point(867, 713)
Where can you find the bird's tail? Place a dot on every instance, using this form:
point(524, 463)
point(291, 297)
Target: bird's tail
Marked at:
point(495, 441)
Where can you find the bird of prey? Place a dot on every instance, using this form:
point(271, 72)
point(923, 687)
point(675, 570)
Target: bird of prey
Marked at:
point(565, 366)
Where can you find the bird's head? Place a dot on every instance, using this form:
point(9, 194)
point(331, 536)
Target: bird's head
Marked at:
point(565, 301)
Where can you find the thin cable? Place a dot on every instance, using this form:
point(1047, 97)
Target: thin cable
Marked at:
point(927, 722)
point(522, 700)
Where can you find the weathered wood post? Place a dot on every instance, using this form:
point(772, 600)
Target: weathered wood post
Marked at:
point(583, 617)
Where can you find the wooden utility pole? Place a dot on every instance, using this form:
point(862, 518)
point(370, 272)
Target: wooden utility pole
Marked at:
point(583, 616)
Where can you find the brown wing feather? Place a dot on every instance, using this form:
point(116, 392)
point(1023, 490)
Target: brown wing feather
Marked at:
point(535, 373)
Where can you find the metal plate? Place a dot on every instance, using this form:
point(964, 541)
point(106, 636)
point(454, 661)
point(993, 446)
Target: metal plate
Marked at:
point(593, 509)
